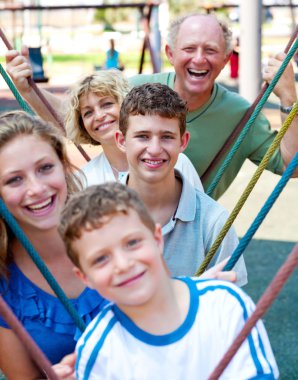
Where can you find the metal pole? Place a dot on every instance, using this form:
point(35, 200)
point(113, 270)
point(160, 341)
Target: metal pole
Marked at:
point(156, 37)
point(250, 78)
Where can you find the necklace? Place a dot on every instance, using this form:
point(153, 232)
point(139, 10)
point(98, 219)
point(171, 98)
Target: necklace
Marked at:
point(115, 171)
point(118, 174)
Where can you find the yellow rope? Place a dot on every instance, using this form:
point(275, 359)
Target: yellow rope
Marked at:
point(247, 191)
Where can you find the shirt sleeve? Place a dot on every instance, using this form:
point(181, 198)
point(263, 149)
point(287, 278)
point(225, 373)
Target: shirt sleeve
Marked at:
point(254, 359)
point(260, 138)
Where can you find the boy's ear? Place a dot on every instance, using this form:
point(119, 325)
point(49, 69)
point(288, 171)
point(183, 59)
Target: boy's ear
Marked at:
point(160, 243)
point(81, 276)
point(120, 141)
point(184, 141)
point(158, 237)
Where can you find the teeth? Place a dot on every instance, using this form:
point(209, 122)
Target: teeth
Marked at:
point(154, 162)
point(40, 205)
point(103, 125)
point(198, 72)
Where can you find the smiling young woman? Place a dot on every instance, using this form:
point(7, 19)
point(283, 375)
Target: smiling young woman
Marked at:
point(36, 179)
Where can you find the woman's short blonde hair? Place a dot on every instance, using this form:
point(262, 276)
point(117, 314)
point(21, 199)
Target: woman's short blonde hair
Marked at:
point(103, 83)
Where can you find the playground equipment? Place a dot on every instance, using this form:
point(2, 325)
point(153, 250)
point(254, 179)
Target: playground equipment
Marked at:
point(37, 65)
point(145, 10)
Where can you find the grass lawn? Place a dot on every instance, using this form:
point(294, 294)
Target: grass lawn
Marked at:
point(263, 259)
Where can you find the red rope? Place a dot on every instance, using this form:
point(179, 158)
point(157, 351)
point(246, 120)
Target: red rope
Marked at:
point(36, 354)
point(264, 303)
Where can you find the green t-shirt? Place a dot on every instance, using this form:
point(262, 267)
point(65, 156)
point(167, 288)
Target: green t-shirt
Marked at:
point(211, 125)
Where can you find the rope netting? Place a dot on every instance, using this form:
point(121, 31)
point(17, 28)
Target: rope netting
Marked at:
point(263, 212)
point(281, 277)
point(252, 118)
point(248, 190)
point(230, 140)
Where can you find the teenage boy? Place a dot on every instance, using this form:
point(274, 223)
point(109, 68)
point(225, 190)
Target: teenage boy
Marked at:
point(153, 133)
point(155, 327)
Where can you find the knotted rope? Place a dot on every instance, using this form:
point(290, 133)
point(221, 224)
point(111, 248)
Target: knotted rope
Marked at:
point(39, 94)
point(262, 306)
point(35, 352)
point(230, 140)
point(19, 234)
point(251, 120)
point(248, 189)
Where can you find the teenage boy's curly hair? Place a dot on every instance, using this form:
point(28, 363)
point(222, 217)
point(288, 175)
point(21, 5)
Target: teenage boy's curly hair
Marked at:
point(153, 99)
point(93, 207)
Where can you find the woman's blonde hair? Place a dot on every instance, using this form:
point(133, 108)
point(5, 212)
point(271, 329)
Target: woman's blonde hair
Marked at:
point(103, 83)
point(19, 123)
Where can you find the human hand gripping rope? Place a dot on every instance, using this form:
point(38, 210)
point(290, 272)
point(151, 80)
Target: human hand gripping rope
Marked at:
point(42, 98)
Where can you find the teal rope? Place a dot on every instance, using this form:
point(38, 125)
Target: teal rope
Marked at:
point(252, 119)
point(19, 234)
point(262, 214)
point(16, 93)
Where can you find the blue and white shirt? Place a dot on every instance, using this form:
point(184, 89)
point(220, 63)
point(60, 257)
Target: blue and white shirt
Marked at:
point(113, 347)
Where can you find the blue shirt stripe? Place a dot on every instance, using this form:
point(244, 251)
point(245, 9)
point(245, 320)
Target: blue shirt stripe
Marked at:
point(245, 316)
point(88, 335)
point(97, 347)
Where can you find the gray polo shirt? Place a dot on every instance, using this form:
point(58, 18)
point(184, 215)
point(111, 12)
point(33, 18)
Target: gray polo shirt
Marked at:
point(189, 235)
point(192, 230)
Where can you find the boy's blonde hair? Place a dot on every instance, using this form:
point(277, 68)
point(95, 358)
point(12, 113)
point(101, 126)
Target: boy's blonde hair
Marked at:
point(88, 210)
point(103, 83)
point(153, 99)
point(18, 123)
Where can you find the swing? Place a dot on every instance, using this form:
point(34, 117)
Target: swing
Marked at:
point(36, 60)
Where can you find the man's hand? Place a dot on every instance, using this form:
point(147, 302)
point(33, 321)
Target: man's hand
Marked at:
point(285, 88)
point(19, 68)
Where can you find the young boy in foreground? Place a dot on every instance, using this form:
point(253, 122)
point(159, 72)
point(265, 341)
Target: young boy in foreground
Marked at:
point(155, 327)
point(152, 134)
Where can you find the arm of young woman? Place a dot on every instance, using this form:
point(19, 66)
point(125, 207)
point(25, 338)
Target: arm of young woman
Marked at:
point(15, 361)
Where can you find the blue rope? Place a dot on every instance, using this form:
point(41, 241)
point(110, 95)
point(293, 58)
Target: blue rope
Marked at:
point(252, 119)
point(13, 89)
point(19, 234)
point(262, 214)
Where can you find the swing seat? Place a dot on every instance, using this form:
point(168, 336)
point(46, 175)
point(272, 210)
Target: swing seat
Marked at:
point(37, 65)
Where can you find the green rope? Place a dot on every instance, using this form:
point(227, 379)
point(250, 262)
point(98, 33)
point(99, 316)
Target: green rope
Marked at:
point(251, 120)
point(16, 93)
point(248, 189)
